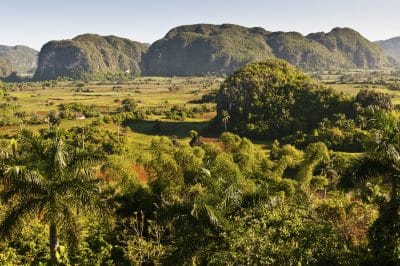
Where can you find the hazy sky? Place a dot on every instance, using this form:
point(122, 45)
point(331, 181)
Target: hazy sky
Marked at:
point(34, 22)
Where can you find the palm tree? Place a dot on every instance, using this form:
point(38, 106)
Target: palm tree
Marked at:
point(382, 161)
point(225, 118)
point(49, 180)
point(118, 119)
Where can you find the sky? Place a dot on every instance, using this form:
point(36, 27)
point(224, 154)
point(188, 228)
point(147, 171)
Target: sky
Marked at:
point(35, 22)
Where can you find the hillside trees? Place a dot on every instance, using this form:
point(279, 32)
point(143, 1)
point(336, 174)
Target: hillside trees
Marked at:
point(273, 99)
point(47, 179)
point(380, 165)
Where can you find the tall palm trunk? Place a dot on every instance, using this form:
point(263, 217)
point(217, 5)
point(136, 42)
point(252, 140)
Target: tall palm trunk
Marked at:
point(394, 192)
point(53, 243)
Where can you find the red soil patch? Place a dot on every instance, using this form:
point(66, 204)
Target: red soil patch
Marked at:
point(141, 172)
point(208, 116)
point(6, 128)
point(104, 175)
point(215, 141)
point(42, 113)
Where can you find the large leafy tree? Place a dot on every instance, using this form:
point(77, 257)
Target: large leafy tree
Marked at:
point(46, 179)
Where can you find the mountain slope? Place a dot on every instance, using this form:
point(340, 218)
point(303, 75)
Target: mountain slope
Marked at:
point(303, 52)
point(22, 58)
point(353, 46)
point(391, 47)
point(5, 68)
point(204, 48)
point(91, 55)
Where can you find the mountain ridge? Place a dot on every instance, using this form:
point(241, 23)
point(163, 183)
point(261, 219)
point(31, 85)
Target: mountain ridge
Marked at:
point(337, 49)
point(202, 49)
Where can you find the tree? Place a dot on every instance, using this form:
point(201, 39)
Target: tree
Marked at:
point(118, 119)
point(21, 116)
point(273, 99)
point(368, 98)
point(128, 105)
point(225, 118)
point(53, 119)
point(51, 181)
point(382, 164)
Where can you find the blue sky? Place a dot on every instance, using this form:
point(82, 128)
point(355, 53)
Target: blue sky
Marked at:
point(34, 22)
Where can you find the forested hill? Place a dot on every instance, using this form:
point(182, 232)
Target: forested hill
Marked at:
point(201, 49)
point(204, 48)
point(22, 58)
point(90, 55)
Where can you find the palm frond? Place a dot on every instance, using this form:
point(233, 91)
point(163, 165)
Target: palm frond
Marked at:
point(18, 180)
point(232, 197)
point(15, 214)
point(60, 154)
point(365, 168)
point(30, 142)
point(213, 216)
point(79, 191)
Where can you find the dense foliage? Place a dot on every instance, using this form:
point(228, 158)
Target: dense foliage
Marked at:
point(272, 99)
point(86, 194)
point(218, 203)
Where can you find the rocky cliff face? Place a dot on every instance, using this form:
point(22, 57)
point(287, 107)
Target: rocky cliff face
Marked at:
point(89, 55)
point(22, 58)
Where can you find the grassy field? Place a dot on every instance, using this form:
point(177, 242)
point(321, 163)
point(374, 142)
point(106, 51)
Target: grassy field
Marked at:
point(149, 92)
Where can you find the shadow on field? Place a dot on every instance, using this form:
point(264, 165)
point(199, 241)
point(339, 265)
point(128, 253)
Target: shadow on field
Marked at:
point(170, 128)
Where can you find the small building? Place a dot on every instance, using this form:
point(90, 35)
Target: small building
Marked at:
point(80, 116)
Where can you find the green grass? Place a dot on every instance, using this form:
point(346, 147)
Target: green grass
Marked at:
point(158, 92)
point(162, 93)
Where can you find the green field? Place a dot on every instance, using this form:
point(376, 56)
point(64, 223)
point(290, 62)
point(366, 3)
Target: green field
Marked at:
point(149, 92)
point(157, 93)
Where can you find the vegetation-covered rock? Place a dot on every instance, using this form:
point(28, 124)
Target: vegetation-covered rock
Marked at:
point(357, 50)
point(303, 52)
point(5, 68)
point(23, 59)
point(203, 48)
point(89, 55)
